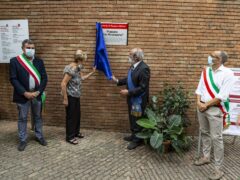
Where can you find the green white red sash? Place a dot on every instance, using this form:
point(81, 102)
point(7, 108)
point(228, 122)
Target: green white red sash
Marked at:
point(213, 90)
point(30, 68)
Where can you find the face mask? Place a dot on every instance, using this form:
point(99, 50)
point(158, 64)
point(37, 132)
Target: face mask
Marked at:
point(30, 52)
point(130, 60)
point(210, 61)
point(79, 67)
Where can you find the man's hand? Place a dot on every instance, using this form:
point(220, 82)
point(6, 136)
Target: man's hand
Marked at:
point(65, 102)
point(114, 79)
point(29, 95)
point(201, 106)
point(36, 93)
point(124, 92)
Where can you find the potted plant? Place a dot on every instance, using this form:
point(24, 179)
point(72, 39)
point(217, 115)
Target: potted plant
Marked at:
point(164, 123)
point(175, 101)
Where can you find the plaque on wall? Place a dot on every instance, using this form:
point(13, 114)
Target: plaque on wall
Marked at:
point(12, 33)
point(115, 33)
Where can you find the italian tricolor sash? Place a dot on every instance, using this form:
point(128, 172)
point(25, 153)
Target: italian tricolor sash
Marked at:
point(30, 68)
point(213, 90)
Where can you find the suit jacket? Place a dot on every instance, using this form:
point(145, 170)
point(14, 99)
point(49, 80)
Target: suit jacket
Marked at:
point(140, 78)
point(19, 78)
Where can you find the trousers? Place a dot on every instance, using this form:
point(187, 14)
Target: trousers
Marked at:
point(73, 115)
point(211, 127)
point(23, 109)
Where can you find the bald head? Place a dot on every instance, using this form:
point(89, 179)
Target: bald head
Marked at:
point(221, 55)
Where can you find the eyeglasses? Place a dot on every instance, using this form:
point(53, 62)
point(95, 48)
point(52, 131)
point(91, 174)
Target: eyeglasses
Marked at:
point(30, 48)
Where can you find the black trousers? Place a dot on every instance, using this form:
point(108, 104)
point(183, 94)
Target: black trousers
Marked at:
point(135, 128)
point(73, 115)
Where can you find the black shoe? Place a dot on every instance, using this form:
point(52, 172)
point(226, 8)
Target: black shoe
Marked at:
point(133, 145)
point(22, 145)
point(42, 141)
point(128, 138)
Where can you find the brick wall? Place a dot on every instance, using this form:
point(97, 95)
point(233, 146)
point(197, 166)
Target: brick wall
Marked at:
point(175, 35)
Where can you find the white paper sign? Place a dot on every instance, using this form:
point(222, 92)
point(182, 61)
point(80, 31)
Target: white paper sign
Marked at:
point(115, 33)
point(12, 33)
point(234, 110)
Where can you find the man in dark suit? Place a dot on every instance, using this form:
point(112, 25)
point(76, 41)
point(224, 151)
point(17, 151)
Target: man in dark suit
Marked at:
point(137, 92)
point(29, 79)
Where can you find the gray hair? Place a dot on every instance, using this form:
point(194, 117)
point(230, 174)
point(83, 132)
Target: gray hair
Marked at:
point(138, 54)
point(224, 56)
point(27, 41)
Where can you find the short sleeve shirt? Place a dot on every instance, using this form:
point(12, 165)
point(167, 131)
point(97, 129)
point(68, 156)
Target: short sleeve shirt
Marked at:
point(224, 79)
point(74, 84)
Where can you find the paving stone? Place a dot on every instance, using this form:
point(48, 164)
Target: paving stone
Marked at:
point(101, 156)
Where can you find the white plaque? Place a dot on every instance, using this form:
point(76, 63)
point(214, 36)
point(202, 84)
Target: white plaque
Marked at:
point(115, 33)
point(12, 33)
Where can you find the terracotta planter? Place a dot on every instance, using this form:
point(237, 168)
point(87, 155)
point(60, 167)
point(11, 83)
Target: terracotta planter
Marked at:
point(166, 146)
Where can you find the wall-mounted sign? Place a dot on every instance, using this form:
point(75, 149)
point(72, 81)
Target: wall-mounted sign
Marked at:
point(115, 33)
point(12, 33)
point(234, 110)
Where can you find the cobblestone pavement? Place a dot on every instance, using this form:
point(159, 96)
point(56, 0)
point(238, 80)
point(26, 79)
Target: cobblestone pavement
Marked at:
point(101, 156)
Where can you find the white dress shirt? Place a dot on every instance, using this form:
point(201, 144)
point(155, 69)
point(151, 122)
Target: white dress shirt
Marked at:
point(136, 64)
point(31, 80)
point(223, 78)
point(133, 67)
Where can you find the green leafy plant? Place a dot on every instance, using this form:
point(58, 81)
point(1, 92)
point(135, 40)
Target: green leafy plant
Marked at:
point(165, 122)
point(175, 101)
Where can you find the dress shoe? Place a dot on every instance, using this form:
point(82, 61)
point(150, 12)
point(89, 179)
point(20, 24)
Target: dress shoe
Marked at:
point(133, 145)
point(22, 145)
point(42, 141)
point(128, 138)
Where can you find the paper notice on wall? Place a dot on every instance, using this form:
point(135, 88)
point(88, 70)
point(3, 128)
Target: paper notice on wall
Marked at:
point(12, 33)
point(115, 33)
point(234, 110)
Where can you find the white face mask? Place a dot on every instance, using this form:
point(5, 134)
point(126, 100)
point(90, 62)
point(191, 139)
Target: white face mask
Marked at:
point(210, 61)
point(130, 60)
point(79, 67)
point(30, 52)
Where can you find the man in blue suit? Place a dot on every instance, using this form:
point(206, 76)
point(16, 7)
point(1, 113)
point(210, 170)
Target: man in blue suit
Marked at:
point(29, 79)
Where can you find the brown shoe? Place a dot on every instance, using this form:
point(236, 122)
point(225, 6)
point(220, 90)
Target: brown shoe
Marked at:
point(217, 174)
point(202, 161)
